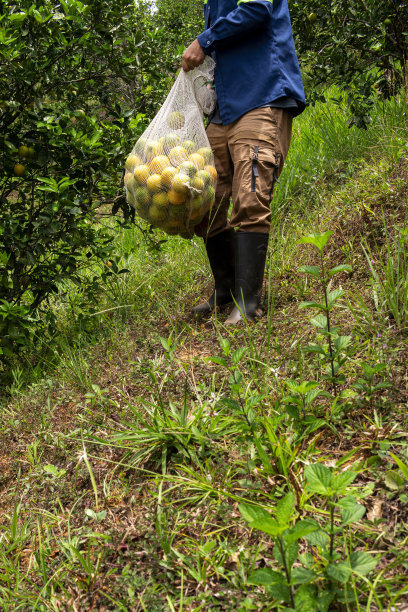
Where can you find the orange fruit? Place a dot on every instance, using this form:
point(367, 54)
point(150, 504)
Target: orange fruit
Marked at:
point(141, 174)
point(205, 176)
point(207, 153)
point(169, 141)
point(196, 204)
point(140, 145)
point(130, 199)
point(142, 196)
point(196, 211)
point(19, 170)
point(132, 161)
point(168, 175)
point(159, 163)
point(130, 182)
point(188, 168)
point(152, 149)
point(209, 196)
point(197, 160)
point(157, 213)
point(160, 199)
point(180, 183)
point(154, 183)
point(177, 212)
point(23, 151)
point(212, 171)
point(175, 197)
point(176, 120)
point(174, 227)
point(190, 146)
point(178, 155)
point(197, 183)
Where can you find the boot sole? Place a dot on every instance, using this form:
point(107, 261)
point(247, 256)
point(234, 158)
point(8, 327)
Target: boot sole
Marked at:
point(204, 311)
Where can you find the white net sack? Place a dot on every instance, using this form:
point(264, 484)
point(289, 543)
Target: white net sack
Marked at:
point(170, 175)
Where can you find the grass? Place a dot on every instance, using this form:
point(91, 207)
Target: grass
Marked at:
point(144, 462)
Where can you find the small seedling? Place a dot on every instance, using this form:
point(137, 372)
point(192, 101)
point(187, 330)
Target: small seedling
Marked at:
point(326, 576)
point(331, 353)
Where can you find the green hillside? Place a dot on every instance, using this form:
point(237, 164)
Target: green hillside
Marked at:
point(152, 461)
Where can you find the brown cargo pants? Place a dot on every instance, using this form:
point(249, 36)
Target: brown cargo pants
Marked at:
point(249, 156)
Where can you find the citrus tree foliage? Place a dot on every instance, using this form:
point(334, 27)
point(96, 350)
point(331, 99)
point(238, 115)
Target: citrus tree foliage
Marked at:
point(360, 45)
point(74, 78)
point(182, 22)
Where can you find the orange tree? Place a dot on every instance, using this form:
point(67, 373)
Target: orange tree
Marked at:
point(181, 20)
point(359, 45)
point(74, 79)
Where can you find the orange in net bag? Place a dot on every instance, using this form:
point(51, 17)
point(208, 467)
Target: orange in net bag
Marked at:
point(170, 175)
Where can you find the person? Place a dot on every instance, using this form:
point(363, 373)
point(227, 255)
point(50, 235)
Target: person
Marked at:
point(259, 89)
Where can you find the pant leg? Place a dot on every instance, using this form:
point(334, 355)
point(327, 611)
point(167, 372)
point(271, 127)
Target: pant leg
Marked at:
point(258, 143)
point(216, 221)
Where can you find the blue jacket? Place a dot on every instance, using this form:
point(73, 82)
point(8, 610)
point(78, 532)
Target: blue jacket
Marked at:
point(252, 44)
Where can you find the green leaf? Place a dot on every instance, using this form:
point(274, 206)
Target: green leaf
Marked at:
point(238, 354)
point(339, 571)
point(314, 348)
point(54, 471)
point(266, 577)
point(17, 17)
point(362, 563)
point(284, 508)
point(226, 346)
point(333, 296)
point(307, 560)
point(393, 480)
point(301, 575)
point(402, 466)
point(254, 400)
point(231, 404)
point(311, 395)
point(301, 388)
point(207, 547)
point(252, 513)
point(165, 344)
point(320, 322)
point(323, 601)
point(319, 478)
point(269, 526)
point(314, 270)
point(342, 268)
point(318, 240)
point(280, 592)
point(341, 481)
point(312, 305)
point(342, 342)
point(258, 518)
point(261, 451)
point(353, 514)
point(305, 600)
point(300, 530)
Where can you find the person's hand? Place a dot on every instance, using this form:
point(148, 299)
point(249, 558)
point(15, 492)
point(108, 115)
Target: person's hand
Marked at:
point(193, 56)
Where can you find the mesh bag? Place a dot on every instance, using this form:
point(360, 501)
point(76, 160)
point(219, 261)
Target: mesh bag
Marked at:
point(170, 175)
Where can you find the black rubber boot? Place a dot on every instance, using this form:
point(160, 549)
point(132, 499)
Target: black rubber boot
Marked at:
point(250, 258)
point(220, 251)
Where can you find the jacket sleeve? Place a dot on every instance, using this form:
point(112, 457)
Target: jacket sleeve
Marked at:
point(249, 15)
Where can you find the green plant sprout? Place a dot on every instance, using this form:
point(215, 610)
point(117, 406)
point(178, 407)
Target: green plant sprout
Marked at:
point(332, 353)
point(366, 387)
point(309, 581)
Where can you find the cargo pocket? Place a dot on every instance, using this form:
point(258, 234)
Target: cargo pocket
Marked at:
point(264, 170)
